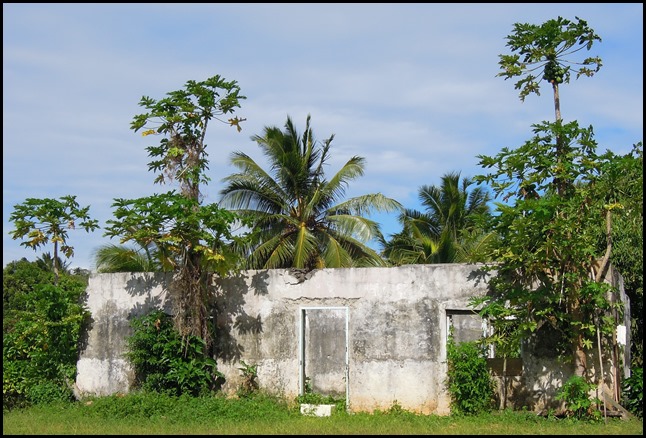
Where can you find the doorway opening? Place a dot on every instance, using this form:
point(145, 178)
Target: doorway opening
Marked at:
point(323, 351)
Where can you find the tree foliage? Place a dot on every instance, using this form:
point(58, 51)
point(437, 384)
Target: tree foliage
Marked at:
point(188, 237)
point(178, 227)
point(549, 269)
point(451, 230)
point(624, 184)
point(298, 215)
point(547, 242)
point(182, 119)
point(42, 325)
point(47, 220)
point(544, 53)
point(19, 278)
point(48, 263)
point(122, 258)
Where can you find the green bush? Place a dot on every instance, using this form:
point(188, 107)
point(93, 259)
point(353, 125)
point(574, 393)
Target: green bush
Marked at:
point(469, 382)
point(42, 325)
point(578, 403)
point(19, 278)
point(633, 392)
point(49, 392)
point(167, 363)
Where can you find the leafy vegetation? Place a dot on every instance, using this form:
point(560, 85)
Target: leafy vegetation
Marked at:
point(576, 395)
point(121, 258)
point(543, 53)
point(298, 216)
point(47, 220)
point(188, 237)
point(166, 362)
point(468, 380)
point(452, 230)
point(42, 324)
point(624, 182)
point(19, 279)
point(249, 385)
point(633, 392)
point(548, 272)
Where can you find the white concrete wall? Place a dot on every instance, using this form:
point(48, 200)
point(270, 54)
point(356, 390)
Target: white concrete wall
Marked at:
point(113, 299)
point(397, 329)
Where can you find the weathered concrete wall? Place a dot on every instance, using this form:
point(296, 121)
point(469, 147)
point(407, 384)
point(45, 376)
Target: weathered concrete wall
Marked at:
point(388, 325)
point(397, 328)
point(113, 299)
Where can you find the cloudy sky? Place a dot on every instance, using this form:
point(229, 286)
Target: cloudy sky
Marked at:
point(412, 88)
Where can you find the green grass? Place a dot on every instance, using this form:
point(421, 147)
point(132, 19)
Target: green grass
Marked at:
point(153, 414)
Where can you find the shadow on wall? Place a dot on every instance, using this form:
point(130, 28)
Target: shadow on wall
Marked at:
point(141, 286)
point(230, 313)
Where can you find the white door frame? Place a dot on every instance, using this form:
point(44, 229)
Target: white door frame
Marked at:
point(301, 349)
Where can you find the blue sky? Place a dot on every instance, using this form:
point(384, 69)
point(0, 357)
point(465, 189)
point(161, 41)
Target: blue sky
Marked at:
point(410, 87)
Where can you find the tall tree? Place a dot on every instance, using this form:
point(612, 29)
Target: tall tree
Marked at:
point(624, 183)
point(297, 214)
point(450, 229)
point(47, 220)
point(192, 237)
point(547, 52)
point(549, 272)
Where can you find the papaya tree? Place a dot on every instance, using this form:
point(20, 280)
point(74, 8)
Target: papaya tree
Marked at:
point(43, 221)
point(191, 236)
point(549, 270)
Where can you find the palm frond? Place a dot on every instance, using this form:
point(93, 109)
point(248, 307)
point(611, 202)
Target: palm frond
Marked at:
point(305, 248)
point(362, 228)
point(119, 258)
point(367, 204)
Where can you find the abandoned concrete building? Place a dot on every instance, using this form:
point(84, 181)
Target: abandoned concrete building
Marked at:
point(376, 336)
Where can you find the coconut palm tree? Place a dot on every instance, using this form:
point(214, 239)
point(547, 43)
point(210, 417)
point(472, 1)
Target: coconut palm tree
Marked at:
point(298, 217)
point(450, 231)
point(48, 263)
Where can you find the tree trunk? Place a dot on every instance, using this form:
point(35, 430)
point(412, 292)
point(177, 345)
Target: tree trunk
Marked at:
point(603, 268)
point(504, 381)
point(557, 101)
point(578, 350)
point(55, 263)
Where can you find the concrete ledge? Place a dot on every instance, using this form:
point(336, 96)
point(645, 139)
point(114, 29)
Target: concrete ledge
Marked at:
point(317, 410)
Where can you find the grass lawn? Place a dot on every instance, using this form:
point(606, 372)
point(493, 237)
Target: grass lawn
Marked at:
point(138, 414)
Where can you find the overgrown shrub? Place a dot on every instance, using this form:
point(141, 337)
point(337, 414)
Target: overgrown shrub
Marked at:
point(166, 362)
point(49, 392)
point(633, 392)
point(42, 325)
point(470, 385)
point(578, 403)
